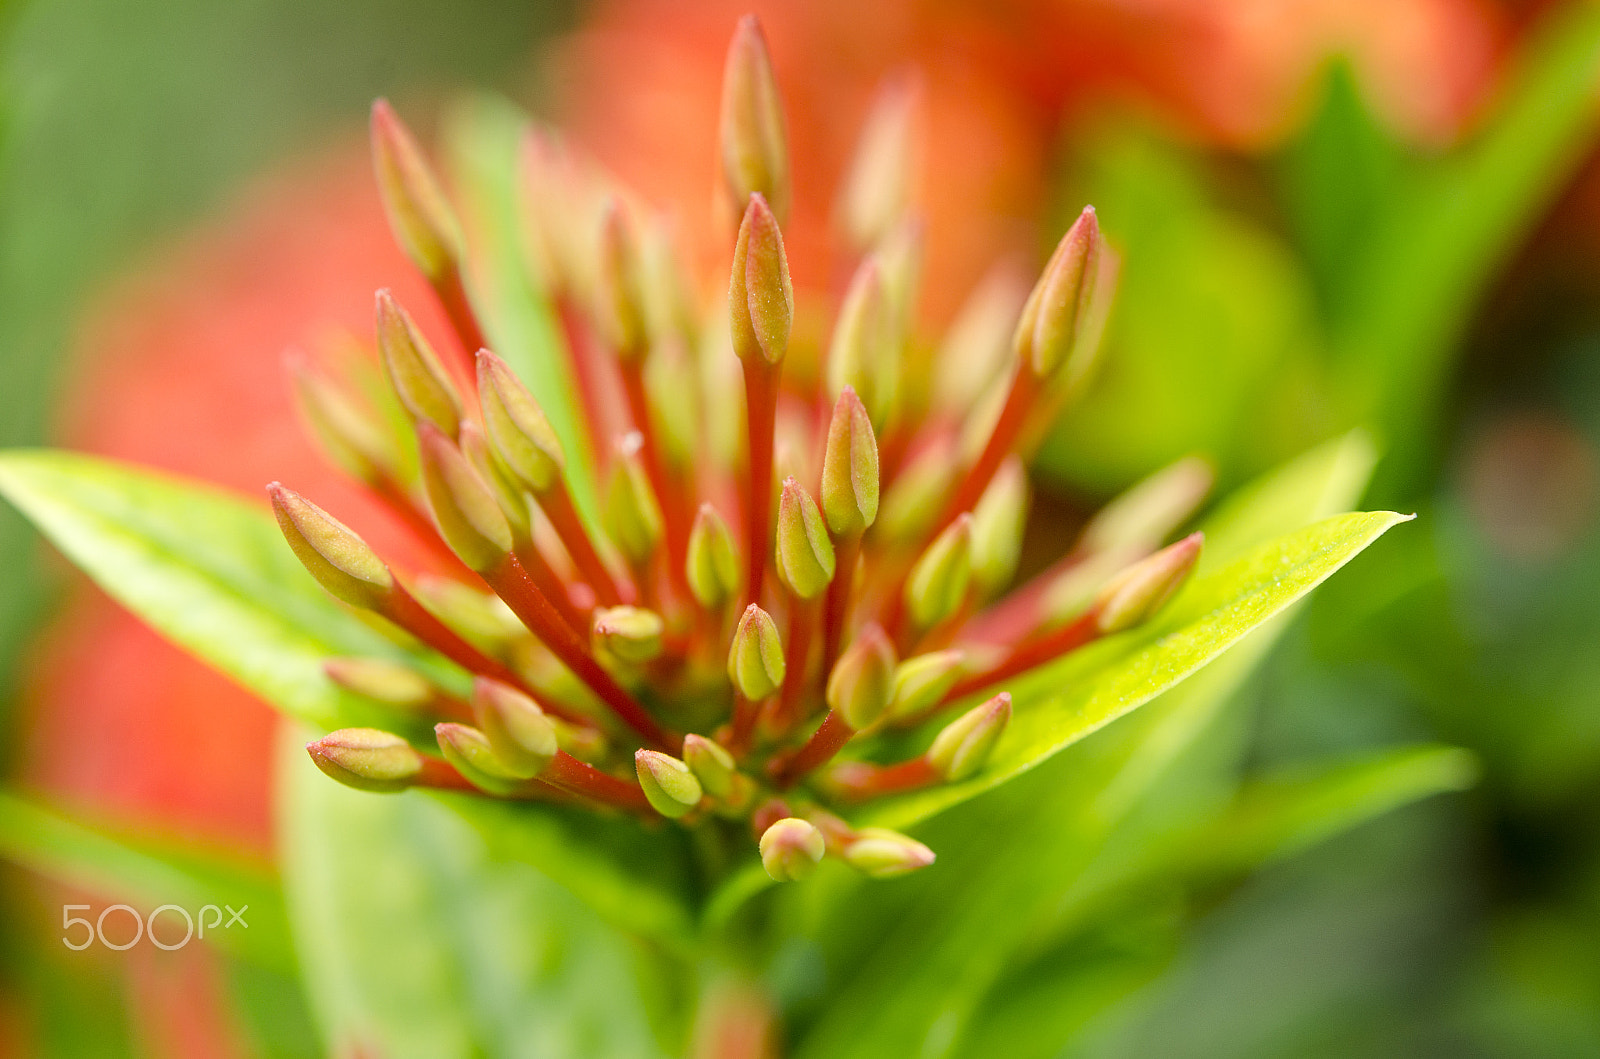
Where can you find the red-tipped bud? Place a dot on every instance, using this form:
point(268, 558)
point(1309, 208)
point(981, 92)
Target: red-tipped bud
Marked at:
point(966, 742)
point(367, 759)
point(466, 511)
point(711, 764)
point(414, 370)
point(632, 513)
point(711, 564)
point(879, 853)
point(522, 737)
point(862, 681)
point(921, 682)
point(1135, 595)
point(753, 142)
point(419, 214)
point(669, 785)
point(381, 680)
point(1047, 333)
point(629, 634)
point(517, 427)
point(939, 580)
point(351, 438)
point(1142, 517)
point(877, 187)
point(333, 554)
point(760, 296)
point(997, 524)
point(805, 554)
point(864, 353)
point(791, 849)
point(850, 468)
point(620, 309)
point(470, 753)
point(755, 660)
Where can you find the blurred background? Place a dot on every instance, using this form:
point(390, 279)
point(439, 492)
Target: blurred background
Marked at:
point(1378, 213)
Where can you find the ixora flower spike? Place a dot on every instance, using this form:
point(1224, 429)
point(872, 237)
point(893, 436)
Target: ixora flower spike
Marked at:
point(851, 636)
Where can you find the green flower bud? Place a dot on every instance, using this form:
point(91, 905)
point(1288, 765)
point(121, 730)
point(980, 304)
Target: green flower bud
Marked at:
point(914, 497)
point(939, 580)
point(380, 680)
point(805, 553)
point(711, 565)
point(966, 742)
point(620, 309)
point(351, 438)
point(791, 849)
point(517, 427)
point(475, 614)
point(1143, 516)
point(332, 553)
point(997, 524)
point(978, 341)
point(922, 682)
point(367, 759)
point(669, 785)
point(1047, 332)
point(466, 511)
point(630, 634)
point(877, 186)
point(470, 753)
point(755, 661)
point(419, 214)
point(863, 353)
point(879, 853)
point(1135, 595)
point(760, 296)
point(752, 142)
point(507, 492)
point(863, 679)
point(711, 764)
point(522, 737)
point(632, 514)
point(414, 370)
point(850, 468)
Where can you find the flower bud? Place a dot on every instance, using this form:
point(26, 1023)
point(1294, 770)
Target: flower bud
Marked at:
point(915, 496)
point(879, 853)
point(1138, 592)
point(711, 764)
point(877, 187)
point(630, 634)
point(900, 260)
point(922, 681)
point(669, 785)
point(939, 580)
point(470, 753)
point(791, 849)
point(632, 514)
point(805, 554)
point(467, 513)
point(760, 296)
point(863, 679)
point(366, 759)
point(620, 309)
point(978, 341)
point(1047, 331)
point(419, 215)
point(863, 353)
point(522, 737)
point(753, 143)
point(350, 437)
point(755, 661)
point(711, 565)
point(380, 680)
point(1145, 514)
point(850, 468)
point(332, 553)
point(997, 524)
point(517, 427)
point(414, 370)
point(966, 742)
point(507, 493)
point(475, 614)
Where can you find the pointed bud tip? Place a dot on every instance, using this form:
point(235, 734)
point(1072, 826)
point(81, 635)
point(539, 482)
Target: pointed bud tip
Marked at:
point(760, 292)
point(367, 759)
point(862, 681)
point(1138, 593)
point(964, 746)
point(668, 783)
point(468, 515)
point(331, 552)
point(938, 583)
point(755, 659)
point(879, 853)
point(519, 732)
point(711, 763)
point(711, 565)
point(805, 556)
point(631, 634)
point(850, 471)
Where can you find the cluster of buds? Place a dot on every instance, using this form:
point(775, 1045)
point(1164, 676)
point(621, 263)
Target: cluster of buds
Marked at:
point(729, 639)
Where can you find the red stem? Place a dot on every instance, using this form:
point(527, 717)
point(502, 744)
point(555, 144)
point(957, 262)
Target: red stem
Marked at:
point(836, 611)
point(745, 713)
point(579, 777)
point(761, 408)
point(452, 294)
point(860, 780)
point(552, 586)
point(441, 776)
point(825, 742)
point(797, 652)
point(674, 514)
point(1081, 630)
point(512, 584)
point(563, 516)
point(1019, 402)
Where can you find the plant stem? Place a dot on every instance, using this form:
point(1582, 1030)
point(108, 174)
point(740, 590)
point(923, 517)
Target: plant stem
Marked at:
point(452, 292)
point(563, 515)
point(761, 408)
point(803, 614)
point(579, 777)
point(1019, 402)
point(826, 741)
point(860, 780)
point(1081, 630)
point(836, 611)
point(674, 515)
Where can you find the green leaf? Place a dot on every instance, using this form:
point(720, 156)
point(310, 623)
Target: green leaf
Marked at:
point(1061, 702)
point(419, 939)
point(148, 872)
point(207, 570)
